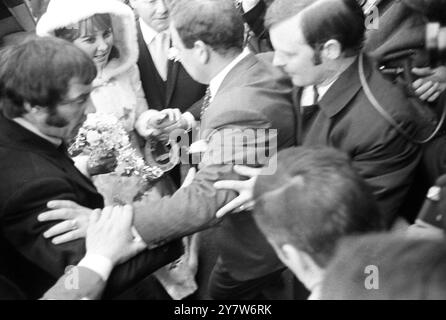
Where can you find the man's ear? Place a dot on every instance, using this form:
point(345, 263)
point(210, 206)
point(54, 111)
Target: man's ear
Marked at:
point(202, 51)
point(332, 50)
point(34, 113)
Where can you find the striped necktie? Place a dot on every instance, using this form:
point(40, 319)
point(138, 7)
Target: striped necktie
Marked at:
point(206, 102)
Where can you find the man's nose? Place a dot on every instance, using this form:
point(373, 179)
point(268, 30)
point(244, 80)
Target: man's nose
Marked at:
point(161, 7)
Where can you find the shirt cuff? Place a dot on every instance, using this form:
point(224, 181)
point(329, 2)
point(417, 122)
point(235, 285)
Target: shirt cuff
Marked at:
point(97, 263)
point(190, 119)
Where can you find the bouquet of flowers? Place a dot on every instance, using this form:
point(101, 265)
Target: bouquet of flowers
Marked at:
point(102, 136)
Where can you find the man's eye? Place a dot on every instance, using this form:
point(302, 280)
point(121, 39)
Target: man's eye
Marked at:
point(82, 99)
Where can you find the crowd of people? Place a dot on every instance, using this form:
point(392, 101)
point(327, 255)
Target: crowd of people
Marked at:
point(308, 147)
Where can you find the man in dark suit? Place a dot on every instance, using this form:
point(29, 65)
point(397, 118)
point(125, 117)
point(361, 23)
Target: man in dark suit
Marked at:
point(318, 44)
point(165, 82)
point(109, 238)
point(248, 113)
point(245, 92)
point(44, 93)
point(109, 241)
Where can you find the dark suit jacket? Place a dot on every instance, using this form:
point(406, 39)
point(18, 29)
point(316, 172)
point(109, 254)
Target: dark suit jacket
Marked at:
point(178, 91)
point(9, 291)
point(347, 121)
point(32, 172)
point(254, 95)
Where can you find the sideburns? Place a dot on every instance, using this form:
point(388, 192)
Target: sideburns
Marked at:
point(55, 120)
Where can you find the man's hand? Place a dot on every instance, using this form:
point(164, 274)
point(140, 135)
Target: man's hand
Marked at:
point(245, 189)
point(110, 234)
point(431, 84)
point(156, 123)
point(424, 230)
point(75, 221)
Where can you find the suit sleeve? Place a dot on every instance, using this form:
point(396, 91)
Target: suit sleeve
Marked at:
point(193, 208)
point(388, 167)
point(25, 233)
point(77, 283)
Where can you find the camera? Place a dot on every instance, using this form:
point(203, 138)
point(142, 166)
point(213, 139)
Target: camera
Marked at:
point(435, 13)
point(433, 210)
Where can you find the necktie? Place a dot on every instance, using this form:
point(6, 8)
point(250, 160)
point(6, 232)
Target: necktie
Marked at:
point(316, 96)
point(206, 102)
point(309, 112)
point(160, 53)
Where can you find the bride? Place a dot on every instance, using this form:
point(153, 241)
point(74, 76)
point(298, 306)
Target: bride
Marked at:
point(106, 31)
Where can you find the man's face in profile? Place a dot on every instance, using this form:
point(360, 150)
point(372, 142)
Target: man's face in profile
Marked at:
point(293, 55)
point(64, 121)
point(190, 58)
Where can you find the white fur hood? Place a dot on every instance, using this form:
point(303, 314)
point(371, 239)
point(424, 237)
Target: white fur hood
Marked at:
point(61, 13)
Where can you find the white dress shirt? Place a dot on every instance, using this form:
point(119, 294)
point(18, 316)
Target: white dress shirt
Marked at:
point(158, 44)
point(307, 98)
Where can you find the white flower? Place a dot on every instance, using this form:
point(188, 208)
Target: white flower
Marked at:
point(93, 138)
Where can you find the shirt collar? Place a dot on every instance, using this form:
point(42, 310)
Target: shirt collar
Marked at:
point(30, 127)
point(216, 82)
point(307, 97)
point(322, 90)
point(149, 34)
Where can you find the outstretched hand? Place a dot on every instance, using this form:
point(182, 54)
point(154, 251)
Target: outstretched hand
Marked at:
point(159, 123)
point(109, 234)
point(75, 221)
point(245, 189)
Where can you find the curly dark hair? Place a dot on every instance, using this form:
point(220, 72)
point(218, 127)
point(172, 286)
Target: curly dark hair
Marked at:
point(38, 72)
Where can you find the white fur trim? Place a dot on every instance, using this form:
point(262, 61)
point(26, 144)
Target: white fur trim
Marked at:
point(61, 13)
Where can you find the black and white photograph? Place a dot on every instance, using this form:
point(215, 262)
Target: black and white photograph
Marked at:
point(222, 155)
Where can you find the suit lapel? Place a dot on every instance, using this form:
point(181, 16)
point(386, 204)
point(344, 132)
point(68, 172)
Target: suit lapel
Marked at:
point(344, 89)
